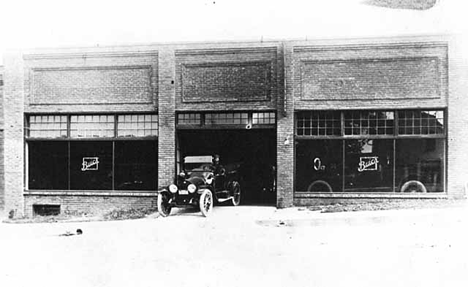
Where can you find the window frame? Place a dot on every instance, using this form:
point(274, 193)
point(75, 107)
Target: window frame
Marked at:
point(395, 137)
point(396, 119)
point(115, 138)
point(247, 122)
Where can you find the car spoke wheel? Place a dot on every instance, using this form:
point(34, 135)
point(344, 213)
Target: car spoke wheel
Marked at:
point(320, 186)
point(236, 193)
point(206, 202)
point(164, 207)
point(413, 186)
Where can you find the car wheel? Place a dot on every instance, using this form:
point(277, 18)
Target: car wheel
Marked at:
point(413, 186)
point(236, 193)
point(164, 207)
point(320, 186)
point(206, 202)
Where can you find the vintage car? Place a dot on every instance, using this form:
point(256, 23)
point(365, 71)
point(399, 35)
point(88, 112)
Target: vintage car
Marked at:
point(198, 185)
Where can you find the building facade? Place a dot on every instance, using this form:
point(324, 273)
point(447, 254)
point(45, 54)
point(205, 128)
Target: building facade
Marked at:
point(93, 129)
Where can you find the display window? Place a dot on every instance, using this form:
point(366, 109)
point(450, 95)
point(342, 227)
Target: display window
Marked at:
point(92, 152)
point(91, 165)
point(368, 165)
point(319, 165)
point(136, 165)
point(48, 165)
point(370, 151)
point(420, 165)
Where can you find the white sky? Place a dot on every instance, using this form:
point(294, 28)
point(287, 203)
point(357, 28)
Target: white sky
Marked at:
point(27, 24)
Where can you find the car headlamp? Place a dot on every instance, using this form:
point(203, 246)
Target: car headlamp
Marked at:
point(191, 188)
point(173, 188)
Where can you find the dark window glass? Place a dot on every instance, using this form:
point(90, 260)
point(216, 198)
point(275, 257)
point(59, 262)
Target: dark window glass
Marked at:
point(136, 165)
point(48, 165)
point(369, 165)
point(318, 123)
point(419, 122)
point(319, 165)
point(369, 122)
point(420, 161)
point(91, 165)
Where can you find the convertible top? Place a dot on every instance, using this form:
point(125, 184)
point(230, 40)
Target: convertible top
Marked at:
point(198, 159)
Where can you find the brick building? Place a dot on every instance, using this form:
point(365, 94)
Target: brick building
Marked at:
point(93, 129)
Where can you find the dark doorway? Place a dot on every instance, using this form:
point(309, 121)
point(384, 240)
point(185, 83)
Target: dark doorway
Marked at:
point(254, 150)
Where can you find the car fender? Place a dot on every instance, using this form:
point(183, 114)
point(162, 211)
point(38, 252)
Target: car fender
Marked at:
point(202, 189)
point(165, 190)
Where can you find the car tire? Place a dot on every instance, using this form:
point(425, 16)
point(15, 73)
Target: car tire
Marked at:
point(164, 208)
point(319, 183)
point(412, 186)
point(236, 193)
point(206, 202)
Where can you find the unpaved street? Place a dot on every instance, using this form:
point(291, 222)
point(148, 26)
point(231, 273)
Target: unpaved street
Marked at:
point(243, 246)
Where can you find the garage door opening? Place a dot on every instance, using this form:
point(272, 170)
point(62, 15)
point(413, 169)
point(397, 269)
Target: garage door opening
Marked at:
point(254, 150)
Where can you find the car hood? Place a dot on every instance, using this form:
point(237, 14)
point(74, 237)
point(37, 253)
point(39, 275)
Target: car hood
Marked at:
point(199, 178)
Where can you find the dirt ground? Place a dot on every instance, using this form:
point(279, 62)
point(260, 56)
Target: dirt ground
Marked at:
point(243, 246)
point(374, 205)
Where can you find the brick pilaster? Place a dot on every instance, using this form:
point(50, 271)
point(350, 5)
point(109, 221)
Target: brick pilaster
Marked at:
point(285, 135)
point(14, 134)
point(166, 108)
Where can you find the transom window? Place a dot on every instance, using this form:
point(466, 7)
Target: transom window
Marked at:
point(226, 119)
point(189, 119)
point(91, 126)
point(137, 125)
point(418, 122)
point(316, 123)
point(263, 118)
point(48, 126)
point(370, 123)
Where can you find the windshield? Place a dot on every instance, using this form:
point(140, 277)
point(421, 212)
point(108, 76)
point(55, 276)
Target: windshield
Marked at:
point(201, 167)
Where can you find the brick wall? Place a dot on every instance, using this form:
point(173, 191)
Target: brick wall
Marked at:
point(92, 85)
point(370, 75)
point(233, 78)
point(88, 205)
point(13, 94)
point(124, 81)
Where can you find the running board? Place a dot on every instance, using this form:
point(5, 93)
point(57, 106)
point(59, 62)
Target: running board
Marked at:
point(224, 199)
